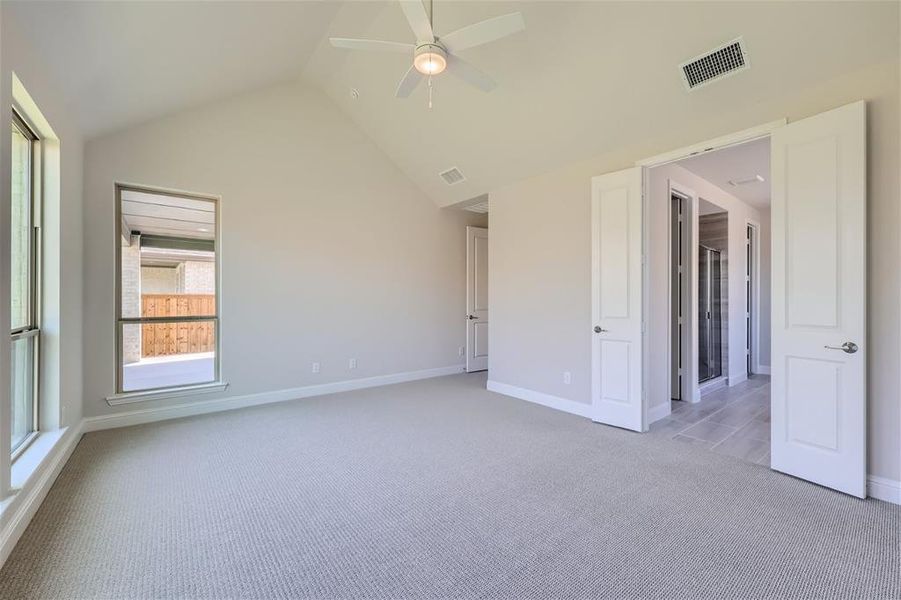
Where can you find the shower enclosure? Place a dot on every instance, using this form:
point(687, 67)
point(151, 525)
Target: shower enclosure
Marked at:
point(710, 363)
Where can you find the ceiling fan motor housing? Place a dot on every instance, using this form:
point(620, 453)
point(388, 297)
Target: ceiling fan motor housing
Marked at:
point(430, 58)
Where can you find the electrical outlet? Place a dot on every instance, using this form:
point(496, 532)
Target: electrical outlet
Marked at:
point(461, 350)
point(352, 363)
point(567, 377)
point(315, 367)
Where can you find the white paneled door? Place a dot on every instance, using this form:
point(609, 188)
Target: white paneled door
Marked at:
point(616, 300)
point(476, 299)
point(819, 297)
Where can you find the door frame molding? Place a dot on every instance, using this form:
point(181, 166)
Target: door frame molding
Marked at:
point(690, 391)
point(755, 302)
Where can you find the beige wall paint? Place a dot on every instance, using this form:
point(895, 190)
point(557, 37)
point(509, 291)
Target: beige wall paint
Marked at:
point(62, 230)
point(328, 251)
point(539, 261)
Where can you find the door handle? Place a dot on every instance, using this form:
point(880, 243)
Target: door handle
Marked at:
point(471, 317)
point(847, 347)
point(597, 329)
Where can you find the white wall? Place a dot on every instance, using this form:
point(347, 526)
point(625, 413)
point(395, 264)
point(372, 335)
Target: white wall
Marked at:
point(62, 220)
point(658, 263)
point(62, 250)
point(328, 252)
point(540, 254)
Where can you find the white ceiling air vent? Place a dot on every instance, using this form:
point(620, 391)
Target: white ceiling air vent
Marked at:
point(452, 176)
point(481, 207)
point(728, 59)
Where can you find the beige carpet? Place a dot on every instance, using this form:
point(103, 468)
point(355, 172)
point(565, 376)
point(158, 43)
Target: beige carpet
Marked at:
point(437, 489)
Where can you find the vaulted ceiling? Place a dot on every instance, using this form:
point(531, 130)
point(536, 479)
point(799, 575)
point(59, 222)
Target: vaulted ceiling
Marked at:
point(583, 79)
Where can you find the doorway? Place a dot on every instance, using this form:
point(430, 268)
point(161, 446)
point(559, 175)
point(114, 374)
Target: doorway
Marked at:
point(476, 299)
point(818, 254)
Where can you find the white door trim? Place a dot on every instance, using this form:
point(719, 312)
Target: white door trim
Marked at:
point(718, 143)
point(755, 301)
point(690, 391)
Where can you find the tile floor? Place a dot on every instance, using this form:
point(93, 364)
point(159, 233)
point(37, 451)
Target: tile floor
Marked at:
point(731, 420)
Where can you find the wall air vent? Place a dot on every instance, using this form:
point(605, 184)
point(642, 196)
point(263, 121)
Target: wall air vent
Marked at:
point(728, 59)
point(452, 176)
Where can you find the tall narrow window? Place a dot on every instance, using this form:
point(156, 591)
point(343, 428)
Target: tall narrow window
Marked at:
point(167, 298)
point(24, 301)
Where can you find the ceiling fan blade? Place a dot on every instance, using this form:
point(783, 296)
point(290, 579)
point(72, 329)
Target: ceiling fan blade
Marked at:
point(408, 83)
point(470, 74)
point(483, 32)
point(374, 45)
point(418, 19)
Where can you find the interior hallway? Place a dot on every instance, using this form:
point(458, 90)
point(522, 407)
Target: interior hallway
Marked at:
point(731, 420)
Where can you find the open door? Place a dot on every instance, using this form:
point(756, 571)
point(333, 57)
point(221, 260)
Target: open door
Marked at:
point(819, 299)
point(476, 299)
point(616, 299)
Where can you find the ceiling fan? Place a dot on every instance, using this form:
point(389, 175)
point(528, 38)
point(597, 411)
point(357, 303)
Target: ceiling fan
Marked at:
point(432, 55)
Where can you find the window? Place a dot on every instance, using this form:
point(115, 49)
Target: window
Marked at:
point(167, 305)
point(25, 268)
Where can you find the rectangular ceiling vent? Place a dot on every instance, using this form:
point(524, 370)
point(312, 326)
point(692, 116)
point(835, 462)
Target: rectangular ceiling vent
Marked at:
point(452, 176)
point(728, 59)
point(481, 208)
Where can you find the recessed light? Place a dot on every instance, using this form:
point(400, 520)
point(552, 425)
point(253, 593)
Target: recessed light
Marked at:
point(203, 229)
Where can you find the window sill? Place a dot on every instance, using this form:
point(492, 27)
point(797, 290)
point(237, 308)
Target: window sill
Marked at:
point(176, 392)
point(30, 460)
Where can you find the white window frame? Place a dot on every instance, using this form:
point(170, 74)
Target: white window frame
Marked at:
point(32, 328)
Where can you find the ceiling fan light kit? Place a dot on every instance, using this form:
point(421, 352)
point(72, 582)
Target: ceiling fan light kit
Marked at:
point(430, 59)
point(432, 56)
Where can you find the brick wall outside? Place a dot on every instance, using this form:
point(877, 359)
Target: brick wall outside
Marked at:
point(159, 280)
point(131, 299)
point(195, 277)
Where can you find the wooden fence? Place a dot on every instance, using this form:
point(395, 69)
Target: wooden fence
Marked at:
point(163, 339)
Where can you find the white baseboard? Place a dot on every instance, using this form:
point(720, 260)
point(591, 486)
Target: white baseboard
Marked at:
point(762, 370)
point(883, 488)
point(735, 380)
point(25, 503)
point(149, 415)
point(570, 406)
point(661, 411)
point(713, 385)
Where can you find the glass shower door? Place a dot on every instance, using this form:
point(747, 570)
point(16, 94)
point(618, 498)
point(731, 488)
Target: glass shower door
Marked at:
point(709, 314)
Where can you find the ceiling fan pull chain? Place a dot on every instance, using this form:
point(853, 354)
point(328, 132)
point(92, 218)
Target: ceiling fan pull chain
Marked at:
point(430, 92)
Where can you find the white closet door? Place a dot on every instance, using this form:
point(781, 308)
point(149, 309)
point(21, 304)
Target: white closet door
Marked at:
point(616, 280)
